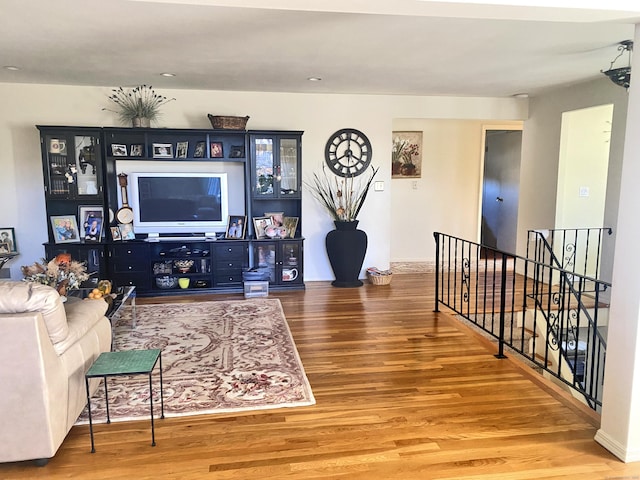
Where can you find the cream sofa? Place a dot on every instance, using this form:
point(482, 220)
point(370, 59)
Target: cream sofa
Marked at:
point(45, 349)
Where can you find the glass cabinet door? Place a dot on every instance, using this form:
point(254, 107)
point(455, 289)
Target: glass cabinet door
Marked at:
point(291, 261)
point(265, 257)
point(87, 165)
point(59, 166)
point(264, 167)
point(72, 166)
point(275, 167)
point(288, 170)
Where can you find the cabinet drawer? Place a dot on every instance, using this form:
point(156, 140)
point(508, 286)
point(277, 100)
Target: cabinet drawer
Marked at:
point(231, 251)
point(228, 277)
point(233, 263)
point(140, 280)
point(127, 251)
point(124, 266)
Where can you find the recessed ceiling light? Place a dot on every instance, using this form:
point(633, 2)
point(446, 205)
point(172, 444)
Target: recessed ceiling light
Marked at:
point(521, 95)
point(314, 79)
point(11, 67)
point(167, 74)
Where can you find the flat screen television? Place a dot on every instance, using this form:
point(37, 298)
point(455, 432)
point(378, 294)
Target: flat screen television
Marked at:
point(179, 203)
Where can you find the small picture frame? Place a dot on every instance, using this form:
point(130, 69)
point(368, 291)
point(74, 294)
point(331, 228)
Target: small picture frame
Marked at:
point(92, 220)
point(126, 231)
point(162, 150)
point(199, 151)
point(181, 149)
point(237, 151)
point(118, 150)
point(260, 225)
point(277, 218)
point(8, 239)
point(291, 224)
point(115, 234)
point(236, 227)
point(136, 150)
point(65, 228)
point(216, 150)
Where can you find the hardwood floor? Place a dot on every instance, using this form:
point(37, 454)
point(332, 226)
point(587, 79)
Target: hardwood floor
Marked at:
point(401, 392)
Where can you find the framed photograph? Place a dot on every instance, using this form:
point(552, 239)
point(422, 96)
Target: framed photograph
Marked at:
point(237, 151)
point(136, 150)
point(162, 150)
point(260, 225)
point(291, 224)
point(277, 218)
point(65, 228)
point(8, 239)
point(126, 231)
point(199, 150)
point(216, 150)
point(92, 220)
point(118, 150)
point(181, 149)
point(406, 155)
point(236, 227)
point(115, 234)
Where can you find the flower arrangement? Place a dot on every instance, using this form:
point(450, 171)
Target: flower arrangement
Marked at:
point(403, 151)
point(61, 273)
point(343, 198)
point(139, 102)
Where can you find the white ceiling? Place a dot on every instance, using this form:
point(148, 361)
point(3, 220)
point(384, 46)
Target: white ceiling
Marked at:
point(418, 47)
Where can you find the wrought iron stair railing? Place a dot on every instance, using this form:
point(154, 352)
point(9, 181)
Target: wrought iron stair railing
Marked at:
point(578, 250)
point(509, 297)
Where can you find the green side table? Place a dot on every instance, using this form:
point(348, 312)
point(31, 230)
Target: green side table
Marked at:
point(128, 362)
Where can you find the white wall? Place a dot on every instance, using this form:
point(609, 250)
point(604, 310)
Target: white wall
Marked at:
point(583, 164)
point(541, 150)
point(318, 115)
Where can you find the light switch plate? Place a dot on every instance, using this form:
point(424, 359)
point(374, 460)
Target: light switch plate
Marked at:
point(378, 186)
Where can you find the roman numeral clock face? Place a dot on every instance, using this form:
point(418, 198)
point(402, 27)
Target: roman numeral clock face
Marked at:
point(348, 152)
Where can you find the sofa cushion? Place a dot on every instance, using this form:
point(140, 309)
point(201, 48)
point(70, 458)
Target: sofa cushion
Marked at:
point(82, 316)
point(21, 297)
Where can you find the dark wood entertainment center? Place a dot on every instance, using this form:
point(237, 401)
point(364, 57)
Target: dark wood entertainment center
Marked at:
point(81, 167)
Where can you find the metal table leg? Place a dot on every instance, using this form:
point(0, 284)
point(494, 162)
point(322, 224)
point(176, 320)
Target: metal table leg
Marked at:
point(86, 382)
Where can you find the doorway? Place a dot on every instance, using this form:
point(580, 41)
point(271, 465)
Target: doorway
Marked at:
point(501, 187)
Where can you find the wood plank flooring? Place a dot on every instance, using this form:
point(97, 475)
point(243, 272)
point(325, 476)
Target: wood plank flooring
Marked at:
point(402, 393)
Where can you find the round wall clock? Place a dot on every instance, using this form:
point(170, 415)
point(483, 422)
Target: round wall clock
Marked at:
point(348, 152)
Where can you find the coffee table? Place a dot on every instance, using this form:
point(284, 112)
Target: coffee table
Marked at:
point(126, 362)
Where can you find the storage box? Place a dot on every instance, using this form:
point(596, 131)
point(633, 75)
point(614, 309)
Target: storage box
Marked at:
point(256, 289)
point(256, 274)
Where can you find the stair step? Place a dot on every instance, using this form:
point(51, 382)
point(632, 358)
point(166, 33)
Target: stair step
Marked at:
point(540, 359)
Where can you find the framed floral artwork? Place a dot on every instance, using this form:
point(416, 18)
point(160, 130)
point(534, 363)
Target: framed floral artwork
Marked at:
point(406, 155)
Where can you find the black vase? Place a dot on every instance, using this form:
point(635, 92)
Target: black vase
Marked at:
point(346, 248)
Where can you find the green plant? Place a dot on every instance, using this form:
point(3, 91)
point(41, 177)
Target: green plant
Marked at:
point(139, 102)
point(342, 197)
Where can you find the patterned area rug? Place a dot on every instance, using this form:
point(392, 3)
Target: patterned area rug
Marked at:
point(222, 356)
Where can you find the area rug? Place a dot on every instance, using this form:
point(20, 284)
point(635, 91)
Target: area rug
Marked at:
point(217, 357)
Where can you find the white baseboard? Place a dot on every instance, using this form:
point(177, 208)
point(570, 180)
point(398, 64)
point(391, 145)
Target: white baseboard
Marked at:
point(617, 448)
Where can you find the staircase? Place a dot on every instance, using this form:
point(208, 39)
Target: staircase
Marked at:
point(553, 317)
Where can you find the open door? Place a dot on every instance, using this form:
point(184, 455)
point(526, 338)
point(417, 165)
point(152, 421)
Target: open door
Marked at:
point(501, 188)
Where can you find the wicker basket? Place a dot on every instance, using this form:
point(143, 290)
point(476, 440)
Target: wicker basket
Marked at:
point(228, 123)
point(380, 279)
